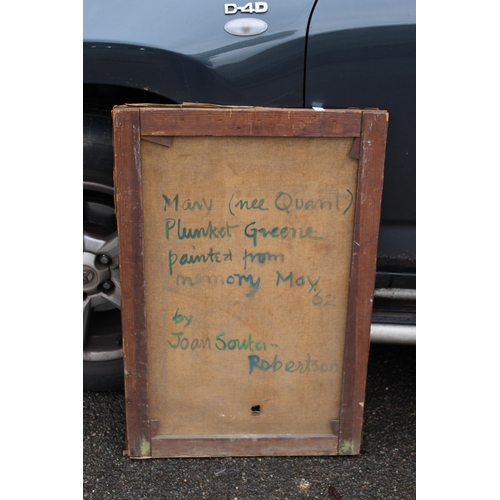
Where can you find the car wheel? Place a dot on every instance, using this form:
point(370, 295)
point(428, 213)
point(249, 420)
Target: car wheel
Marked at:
point(102, 338)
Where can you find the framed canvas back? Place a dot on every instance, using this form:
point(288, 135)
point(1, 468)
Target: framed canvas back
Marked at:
point(247, 247)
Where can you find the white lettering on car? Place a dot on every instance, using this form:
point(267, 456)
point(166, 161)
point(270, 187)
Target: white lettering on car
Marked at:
point(249, 8)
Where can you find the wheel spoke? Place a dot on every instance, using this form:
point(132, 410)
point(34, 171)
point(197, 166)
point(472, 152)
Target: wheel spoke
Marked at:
point(110, 248)
point(114, 297)
point(91, 242)
point(107, 245)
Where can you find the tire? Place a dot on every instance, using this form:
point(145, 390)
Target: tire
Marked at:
point(102, 352)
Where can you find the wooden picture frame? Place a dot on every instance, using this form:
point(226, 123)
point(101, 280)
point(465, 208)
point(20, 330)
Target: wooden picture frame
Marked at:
point(177, 404)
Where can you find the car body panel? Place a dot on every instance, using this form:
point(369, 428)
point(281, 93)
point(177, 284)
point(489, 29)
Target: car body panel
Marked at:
point(361, 53)
point(183, 52)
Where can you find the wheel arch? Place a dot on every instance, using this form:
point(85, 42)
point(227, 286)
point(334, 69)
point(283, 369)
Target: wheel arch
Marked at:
point(104, 96)
point(164, 76)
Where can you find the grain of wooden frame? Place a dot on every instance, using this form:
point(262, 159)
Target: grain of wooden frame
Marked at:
point(247, 247)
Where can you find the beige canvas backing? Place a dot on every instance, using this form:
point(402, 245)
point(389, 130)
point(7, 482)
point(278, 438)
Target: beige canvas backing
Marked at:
point(247, 259)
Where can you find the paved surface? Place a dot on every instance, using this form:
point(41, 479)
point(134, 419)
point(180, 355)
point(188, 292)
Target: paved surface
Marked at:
point(385, 469)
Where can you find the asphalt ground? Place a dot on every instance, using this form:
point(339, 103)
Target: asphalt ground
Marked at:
point(385, 469)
